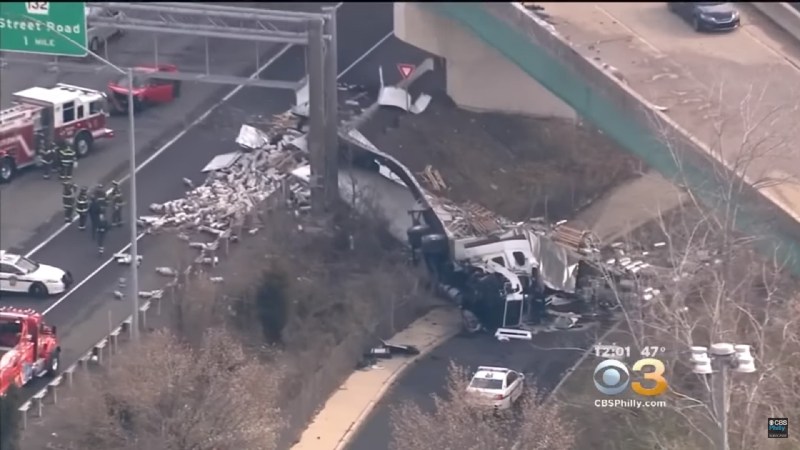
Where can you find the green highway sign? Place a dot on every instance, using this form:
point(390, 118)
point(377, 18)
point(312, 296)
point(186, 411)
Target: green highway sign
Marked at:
point(49, 28)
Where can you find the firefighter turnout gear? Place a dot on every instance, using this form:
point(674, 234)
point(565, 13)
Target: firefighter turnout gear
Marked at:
point(68, 199)
point(82, 207)
point(117, 202)
point(48, 157)
point(66, 155)
point(101, 230)
point(97, 205)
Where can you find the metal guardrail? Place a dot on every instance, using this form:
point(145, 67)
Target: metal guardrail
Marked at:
point(108, 345)
point(785, 15)
point(103, 349)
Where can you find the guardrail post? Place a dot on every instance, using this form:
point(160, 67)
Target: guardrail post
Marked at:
point(114, 336)
point(54, 387)
point(97, 351)
point(143, 310)
point(70, 373)
point(39, 400)
point(127, 325)
point(84, 361)
point(23, 409)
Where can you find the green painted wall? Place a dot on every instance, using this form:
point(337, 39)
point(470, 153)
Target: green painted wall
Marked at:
point(621, 125)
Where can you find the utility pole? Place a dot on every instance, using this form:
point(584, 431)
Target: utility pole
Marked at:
point(134, 214)
point(317, 119)
point(331, 181)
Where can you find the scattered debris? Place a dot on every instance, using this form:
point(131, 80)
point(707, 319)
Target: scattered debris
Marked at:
point(252, 138)
point(166, 271)
point(125, 259)
point(400, 98)
point(434, 179)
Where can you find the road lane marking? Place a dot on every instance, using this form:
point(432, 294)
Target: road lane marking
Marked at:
point(90, 276)
point(172, 141)
point(202, 117)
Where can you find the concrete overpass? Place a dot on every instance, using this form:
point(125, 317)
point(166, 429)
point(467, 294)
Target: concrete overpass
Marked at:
point(500, 56)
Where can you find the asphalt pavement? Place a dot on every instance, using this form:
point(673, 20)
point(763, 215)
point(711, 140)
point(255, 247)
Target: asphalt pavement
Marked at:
point(22, 223)
point(545, 359)
point(83, 315)
point(23, 226)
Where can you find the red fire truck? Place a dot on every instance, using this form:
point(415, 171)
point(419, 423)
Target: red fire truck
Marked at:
point(41, 116)
point(28, 347)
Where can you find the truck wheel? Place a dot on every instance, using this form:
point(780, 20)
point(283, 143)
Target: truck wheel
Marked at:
point(7, 169)
point(54, 364)
point(83, 144)
point(38, 290)
point(415, 235)
point(434, 244)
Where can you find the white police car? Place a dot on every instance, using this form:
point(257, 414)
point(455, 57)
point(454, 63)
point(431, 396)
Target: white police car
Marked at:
point(20, 274)
point(496, 386)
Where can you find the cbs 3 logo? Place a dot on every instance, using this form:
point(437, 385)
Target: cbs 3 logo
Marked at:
point(612, 377)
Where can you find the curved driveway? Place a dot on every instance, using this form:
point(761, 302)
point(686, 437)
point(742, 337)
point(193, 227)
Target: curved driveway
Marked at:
point(544, 360)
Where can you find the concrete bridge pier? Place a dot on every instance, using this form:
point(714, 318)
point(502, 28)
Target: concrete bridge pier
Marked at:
point(478, 76)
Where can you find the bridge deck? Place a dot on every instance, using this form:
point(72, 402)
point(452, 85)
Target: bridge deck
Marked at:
point(738, 92)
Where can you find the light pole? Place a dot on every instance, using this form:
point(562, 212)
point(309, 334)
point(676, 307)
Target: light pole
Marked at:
point(718, 361)
point(134, 285)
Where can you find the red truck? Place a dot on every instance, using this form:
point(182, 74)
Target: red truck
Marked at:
point(41, 116)
point(29, 348)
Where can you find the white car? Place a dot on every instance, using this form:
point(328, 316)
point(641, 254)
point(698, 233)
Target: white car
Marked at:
point(496, 386)
point(20, 274)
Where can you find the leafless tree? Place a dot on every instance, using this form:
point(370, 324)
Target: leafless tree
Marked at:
point(455, 423)
point(165, 395)
point(715, 287)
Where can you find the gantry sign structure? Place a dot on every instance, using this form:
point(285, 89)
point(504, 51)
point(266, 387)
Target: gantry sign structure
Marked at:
point(316, 31)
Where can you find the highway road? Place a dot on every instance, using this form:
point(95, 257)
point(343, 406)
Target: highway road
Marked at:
point(83, 314)
point(22, 226)
point(738, 92)
point(544, 360)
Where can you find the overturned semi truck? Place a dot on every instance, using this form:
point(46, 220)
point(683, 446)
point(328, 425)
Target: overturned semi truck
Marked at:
point(517, 278)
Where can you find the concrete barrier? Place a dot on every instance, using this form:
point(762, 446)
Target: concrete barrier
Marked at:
point(630, 119)
point(784, 15)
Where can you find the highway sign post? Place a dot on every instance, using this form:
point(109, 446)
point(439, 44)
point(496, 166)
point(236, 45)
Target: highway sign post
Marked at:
point(48, 28)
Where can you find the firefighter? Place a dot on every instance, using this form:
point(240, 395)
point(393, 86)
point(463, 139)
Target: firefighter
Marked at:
point(117, 202)
point(97, 206)
point(66, 155)
point(102, 229)
point(82, 207)
point(68, 198)
point(48, 155)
